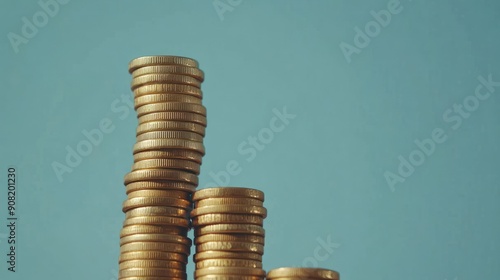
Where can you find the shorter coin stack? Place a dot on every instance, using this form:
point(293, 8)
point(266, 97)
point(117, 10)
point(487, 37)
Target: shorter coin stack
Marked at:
point(302, 273)
point(229, 234)
point(167, 159)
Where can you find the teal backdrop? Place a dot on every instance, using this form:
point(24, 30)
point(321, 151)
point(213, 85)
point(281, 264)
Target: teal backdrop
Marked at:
point(371, 126)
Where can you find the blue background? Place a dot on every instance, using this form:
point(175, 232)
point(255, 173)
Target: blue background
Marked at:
point(323, 175)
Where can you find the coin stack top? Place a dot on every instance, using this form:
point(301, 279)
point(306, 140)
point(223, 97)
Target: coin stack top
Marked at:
point(167, 158)
point(302, 273)
point(229, 233)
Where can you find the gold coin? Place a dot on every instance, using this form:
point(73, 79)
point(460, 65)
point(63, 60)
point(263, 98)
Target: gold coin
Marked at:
point(174, 116)
point(152, 272)
point(157, 211)
point(229, 277)
point(166, 238)
point(228, 201)
point(245, 271)
point(159, 185)
point(152, 263)
point(228, 262)
point(158, 144)
point(210, 219)
point(168, 88)
point(151, 229)
point(230, 209)
point(303, 272)
point(230, 237)
point(164, 79)
point(169, 126)
point(170, 69)
point(164, 97)
point(153, 255)
point(229, 228)
point(157, 220)
point(208, 255)
point(169, 154)
point(231, 247)
point(228, 192)
point(180, 164)
point(135, 202)
point(155, 246)
point(153, 60)
point(170, 134)
point(171, 107)
point(161, 174)
point(161, 193)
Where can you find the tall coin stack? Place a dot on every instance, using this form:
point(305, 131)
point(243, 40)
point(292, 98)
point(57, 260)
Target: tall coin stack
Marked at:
point(167, 158)
point(229, 234)
point(302, 273)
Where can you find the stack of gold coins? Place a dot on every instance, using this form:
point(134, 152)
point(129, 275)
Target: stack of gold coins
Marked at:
point(302, 273)
point(229, 233)
point(167, 159)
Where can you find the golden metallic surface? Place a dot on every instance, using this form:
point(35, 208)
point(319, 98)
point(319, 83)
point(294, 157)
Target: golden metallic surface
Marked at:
point(170, 134)
point(229, 228)
point(152, 229)
point(157, 220)
point(228, 277)
point(169, 126)
point(161, 174)
point(231, 247)
point(152, 263)
point(210, 219)
point(230, 237)
point(159, 185)
point(152, 60)
point(164, 79)
point(228, 262)
point(169, 154)
point(172, 107)
point(173, 116)
point(228, 192)
point(158, 144)
point(136, 202)
point(245, 271)
point(146, 237)
point(153, 255)
point(230, 209)
point(170, 69)
point(228, 201)
point(209, 255)
point(155, 246)
point(157, 211)
point(168, 88)
point(152, 272)
point(164, 97)
point(180, 164)
point(161, 193)
point(302, 272)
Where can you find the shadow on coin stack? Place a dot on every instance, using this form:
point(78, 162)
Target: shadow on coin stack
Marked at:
point(167, 158)
point(229, 233)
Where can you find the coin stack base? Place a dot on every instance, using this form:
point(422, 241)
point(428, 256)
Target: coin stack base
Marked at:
point(167, 159)
point(229, 233)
